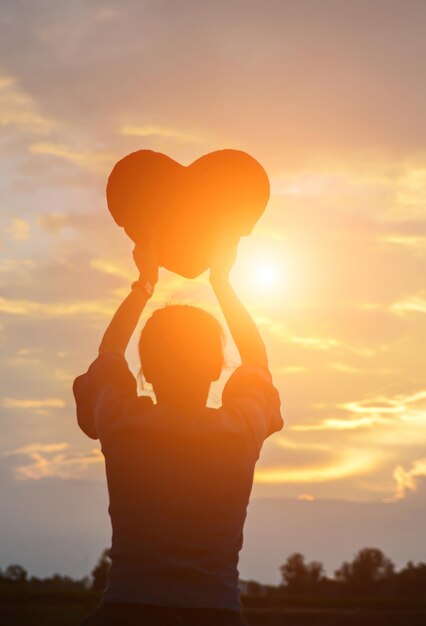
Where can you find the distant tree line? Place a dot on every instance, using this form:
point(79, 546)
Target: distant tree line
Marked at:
point(370, 573)
point(17, 576)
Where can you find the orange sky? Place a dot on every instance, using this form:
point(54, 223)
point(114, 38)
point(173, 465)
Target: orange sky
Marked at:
point(330, 98)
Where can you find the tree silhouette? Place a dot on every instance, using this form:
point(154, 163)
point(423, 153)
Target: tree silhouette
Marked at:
point(300, 577)
point(411, 580)
point(100, 572)
point(369, 568)
point(16, 573)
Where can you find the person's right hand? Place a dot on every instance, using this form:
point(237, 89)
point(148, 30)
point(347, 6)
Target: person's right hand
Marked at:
point(146, 259)
point(224, 257)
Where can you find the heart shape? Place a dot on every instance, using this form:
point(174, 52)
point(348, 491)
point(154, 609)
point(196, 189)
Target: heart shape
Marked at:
point(190, 206)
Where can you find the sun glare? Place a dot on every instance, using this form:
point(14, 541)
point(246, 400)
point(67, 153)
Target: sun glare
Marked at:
point(261, 271)
point(266, 274)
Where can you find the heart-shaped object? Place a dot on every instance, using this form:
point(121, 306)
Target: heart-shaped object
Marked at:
point(190, 207)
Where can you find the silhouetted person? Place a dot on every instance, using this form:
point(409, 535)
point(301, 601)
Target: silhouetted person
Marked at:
point(179, 474)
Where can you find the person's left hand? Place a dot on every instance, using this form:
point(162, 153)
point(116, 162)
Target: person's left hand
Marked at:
point(146, 259)
point(223, 257)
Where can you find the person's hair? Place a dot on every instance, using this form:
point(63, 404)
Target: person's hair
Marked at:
point(183, 341)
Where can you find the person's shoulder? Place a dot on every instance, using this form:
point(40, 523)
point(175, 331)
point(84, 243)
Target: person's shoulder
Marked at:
point(250, 398)
point(247, 379)
point(252, 371)
point(211, 422)
point(137, 415)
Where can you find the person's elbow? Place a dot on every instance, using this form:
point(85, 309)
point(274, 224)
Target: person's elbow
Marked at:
point(255, 355)
point(84, 407)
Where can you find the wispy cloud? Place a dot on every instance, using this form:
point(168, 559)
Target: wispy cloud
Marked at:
point(350, 369)
point(398, 404)
point(407, 480)
point(13, 265)
point(409, 243)
point(25, 403)
point(375, 406)
point(393, 412)
point(54, 309)
point(411, 189)
point(107, 266)
point(19, 229)
point(316, 343)
point(307, 497)
point(352, 465)
point(18, 109)
point(341, 424)
point(86, 159)
point(38, 447)
point(53, 460)
point(162, 132)
point(291, 369)
point(413, 304)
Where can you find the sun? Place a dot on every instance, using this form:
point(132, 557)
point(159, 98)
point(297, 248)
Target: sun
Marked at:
point(260, 271)
point(266, 274)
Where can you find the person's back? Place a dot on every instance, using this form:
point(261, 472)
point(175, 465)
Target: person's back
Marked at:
point(179, 474)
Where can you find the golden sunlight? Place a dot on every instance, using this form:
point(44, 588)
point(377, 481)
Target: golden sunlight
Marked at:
point(267, 274)
point(262, 270)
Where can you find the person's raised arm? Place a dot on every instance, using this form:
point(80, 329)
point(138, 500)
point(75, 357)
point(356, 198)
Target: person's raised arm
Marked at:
point(124, 322)
point(242, 327)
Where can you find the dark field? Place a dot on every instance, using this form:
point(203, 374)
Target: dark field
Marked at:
point(72, 615)
point(335, 617)
point(47, 610)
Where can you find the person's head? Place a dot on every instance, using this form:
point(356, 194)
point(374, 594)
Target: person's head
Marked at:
point(181, 352)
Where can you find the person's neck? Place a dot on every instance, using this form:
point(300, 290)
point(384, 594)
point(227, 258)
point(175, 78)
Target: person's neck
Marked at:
point(181, 406)
point(185, 401)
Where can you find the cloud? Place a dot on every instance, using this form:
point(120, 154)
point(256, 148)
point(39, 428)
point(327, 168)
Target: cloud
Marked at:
point(393, 412)
point(342, 424)
point(107, 266)
point(60, 374)
point(307, 497)
point(352, 465)
point(13, 265)
point(56, 309)
point(411, 243)
point(291, 369)
point(398, 404)
point(18, 109)
point(19, 229)
point(162, 132)
point(316, 343)
point(375, 406)
point(53, 460)
point(54, 222)
point(411, 190)
point(350, 369)
point(283, 332)
point(413, 304)
point(98, 161)
point(46, 403)
point(38, 447)
point(408, 480)
point(332, 181)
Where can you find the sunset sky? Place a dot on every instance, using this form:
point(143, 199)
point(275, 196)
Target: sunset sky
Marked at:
point(330, 97)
